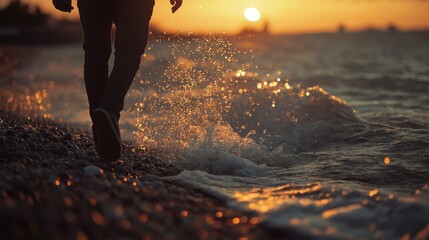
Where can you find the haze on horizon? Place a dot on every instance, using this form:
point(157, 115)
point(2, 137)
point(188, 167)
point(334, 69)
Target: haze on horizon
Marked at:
point(283, 16)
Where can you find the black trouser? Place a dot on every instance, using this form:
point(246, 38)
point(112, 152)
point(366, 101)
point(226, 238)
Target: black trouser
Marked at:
point(131, 18)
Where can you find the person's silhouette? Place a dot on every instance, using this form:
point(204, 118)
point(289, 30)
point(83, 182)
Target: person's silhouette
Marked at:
point(106, 92)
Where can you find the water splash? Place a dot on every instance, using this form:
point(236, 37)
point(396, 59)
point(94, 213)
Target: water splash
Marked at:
point(187, 96)
point(204, 102)
point(30, 103)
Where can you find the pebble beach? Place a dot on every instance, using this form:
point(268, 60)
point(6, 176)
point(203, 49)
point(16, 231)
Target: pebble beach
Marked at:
point(53, 186)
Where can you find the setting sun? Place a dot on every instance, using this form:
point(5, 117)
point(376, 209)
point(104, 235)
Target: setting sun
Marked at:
point(252, 14)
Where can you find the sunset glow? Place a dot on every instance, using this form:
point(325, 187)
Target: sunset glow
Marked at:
point(252, 14)
point(292, 16)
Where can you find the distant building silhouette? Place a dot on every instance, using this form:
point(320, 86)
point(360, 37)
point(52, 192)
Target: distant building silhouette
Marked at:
point(250, 31)
point(341, 28)
point(266, 28)
point(392, 28)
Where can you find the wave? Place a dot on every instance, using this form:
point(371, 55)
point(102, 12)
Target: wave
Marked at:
point(317, 210)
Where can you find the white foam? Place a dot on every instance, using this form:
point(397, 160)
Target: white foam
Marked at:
point(229, 164)
point(312, 210)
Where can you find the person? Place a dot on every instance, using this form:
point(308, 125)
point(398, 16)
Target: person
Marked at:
point(106, 92)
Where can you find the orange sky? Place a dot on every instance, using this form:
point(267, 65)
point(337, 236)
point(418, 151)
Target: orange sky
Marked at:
point(284, 16)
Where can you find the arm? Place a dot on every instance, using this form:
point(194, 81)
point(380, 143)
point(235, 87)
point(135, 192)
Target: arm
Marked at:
point(64, 5)
point(176, 5)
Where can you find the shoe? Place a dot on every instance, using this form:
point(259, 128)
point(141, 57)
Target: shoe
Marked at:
point(96, 138)
point(109, 139)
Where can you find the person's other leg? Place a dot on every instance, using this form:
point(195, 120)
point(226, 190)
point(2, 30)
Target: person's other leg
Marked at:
point(96, 18)
point(131, 19)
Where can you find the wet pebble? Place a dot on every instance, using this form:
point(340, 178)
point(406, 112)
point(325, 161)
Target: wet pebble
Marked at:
point(93, 170)
point(147, 167)
point(5, 185)
point(66, 137)
point(37, 172)
point(136, 165)
point(52, 179)
point(56, 147)
point(23, 135)
point(81, 163)
point(70, 153)
point(22, 147)
point(171, 170)
point(17, 167)
point(150, 178)
point(2, 140)
point(123, 169)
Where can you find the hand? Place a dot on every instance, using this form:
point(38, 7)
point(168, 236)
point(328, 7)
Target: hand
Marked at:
point(176, 5)
point(63, 5)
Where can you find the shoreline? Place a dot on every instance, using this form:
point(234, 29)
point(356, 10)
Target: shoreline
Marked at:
point(52, 186)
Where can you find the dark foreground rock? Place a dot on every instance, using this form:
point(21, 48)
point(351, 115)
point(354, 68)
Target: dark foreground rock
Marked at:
point(52, 186)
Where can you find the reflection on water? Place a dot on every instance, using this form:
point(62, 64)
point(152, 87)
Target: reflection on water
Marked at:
point(341, 210)
point(318, 210)
point(269, 198)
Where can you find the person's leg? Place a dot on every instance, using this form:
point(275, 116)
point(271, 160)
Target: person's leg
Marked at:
point(131, 19)
point(96, 19)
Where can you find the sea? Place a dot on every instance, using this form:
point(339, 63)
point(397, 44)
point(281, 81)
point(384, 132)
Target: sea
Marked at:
point(321, 136)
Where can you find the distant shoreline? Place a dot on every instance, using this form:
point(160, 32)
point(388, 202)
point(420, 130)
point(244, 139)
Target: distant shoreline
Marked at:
point(71, 33)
